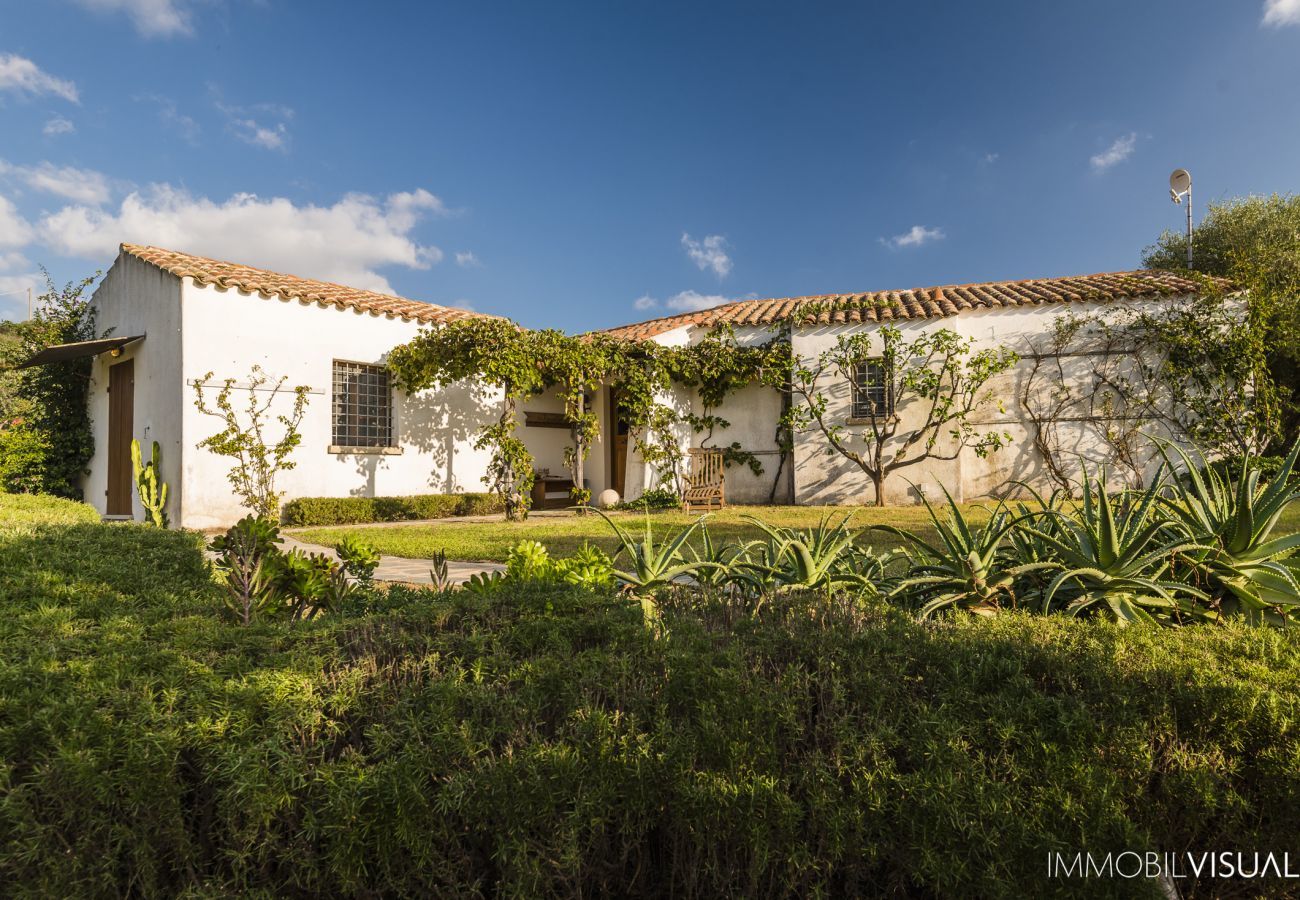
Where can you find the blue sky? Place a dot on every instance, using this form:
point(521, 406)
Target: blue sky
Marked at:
point(586, 165)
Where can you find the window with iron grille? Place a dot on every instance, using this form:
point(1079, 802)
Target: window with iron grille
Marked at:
point(872, 394)
point(363, 406)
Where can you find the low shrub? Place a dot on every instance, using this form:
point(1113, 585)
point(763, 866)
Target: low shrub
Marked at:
point(309, 511)
point(655, 498)
point(42, 509)
point(539, 742)
point(23, 455)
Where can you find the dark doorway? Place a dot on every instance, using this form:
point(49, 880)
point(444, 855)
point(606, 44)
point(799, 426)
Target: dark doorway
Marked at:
point(121, 415)
point(617, 444)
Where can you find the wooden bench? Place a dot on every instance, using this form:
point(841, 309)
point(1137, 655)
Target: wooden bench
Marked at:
point(705, 484)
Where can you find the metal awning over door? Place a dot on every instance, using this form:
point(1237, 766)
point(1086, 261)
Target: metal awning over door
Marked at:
point(65, 352)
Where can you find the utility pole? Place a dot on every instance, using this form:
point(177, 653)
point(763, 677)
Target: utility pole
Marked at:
point(1180, 186)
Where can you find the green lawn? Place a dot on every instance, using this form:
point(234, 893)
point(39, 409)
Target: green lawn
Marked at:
point(491, 541)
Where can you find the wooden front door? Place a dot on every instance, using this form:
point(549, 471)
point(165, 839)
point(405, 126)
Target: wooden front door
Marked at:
point(121, 414)
point(617, 446)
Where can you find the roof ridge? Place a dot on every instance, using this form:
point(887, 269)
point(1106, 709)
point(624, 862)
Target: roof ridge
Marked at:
point(947, 299)
point(255, 279)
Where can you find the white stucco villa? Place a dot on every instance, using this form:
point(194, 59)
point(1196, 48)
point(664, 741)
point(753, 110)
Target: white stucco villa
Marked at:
point(171, 318)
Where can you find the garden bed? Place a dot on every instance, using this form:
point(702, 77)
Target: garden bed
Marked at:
point(542, 741)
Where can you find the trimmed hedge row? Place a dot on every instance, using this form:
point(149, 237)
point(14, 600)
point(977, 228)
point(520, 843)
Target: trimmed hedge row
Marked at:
point(543, 743)
point(43, 509)
point(306, 511)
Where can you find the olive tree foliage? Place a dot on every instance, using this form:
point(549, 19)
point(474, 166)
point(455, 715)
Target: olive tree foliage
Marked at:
point(45, 433)
point(496, 353)
point(1255, 242)
point(247, 436)
point(937, 385)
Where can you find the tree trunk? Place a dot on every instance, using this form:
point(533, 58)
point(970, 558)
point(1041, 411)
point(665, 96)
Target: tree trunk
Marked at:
point(579, 453)
point(878, 482)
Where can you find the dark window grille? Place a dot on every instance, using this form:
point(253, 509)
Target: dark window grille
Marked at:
point(362, 406)
point(872, 392)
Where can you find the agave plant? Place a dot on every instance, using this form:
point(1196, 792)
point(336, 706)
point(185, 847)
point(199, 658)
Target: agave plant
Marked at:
point(814, 558)
point(1234, 522)
point(966, 568)
point(1114, 555)
point(652, 565)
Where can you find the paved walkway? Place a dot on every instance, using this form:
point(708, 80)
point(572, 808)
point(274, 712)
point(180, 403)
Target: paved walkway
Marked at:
point(399, 568)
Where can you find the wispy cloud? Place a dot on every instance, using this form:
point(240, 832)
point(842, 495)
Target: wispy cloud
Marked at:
point(69, 182)
point(709, 254)
point(151, 18)
point(261, 125)
point(1116, 153)
point(467, 260)
point(991, 158)
point(58, 125)
point(173, 118)
point(20, 75)
point(1278, 13)
point(347, 242)
point(915, 236)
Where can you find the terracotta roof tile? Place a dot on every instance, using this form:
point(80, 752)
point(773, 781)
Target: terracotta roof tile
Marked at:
point(926, 303)
point(290, 287)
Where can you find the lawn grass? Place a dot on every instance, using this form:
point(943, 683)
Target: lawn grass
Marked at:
point(19, 510)
point(491, 541)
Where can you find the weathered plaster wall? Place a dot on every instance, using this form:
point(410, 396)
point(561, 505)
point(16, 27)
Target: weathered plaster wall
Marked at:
point(137, 298)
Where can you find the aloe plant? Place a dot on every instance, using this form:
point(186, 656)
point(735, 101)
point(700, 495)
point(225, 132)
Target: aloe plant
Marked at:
point(966, 568)
point(654, 565)
point(1234, 523)
point(1116, 556)
point(812, 558)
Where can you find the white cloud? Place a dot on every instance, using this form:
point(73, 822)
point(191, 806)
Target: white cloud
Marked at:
point(645, 302)
point(709, 254)
point(152, 18)
point(1116, 153)
point(58, 125)
point(991, 158)
point(23, 76)
point(14, 230)
point(691, 301)
point(346, 242)
point(915, 236)
point(69, 182)
point(467, 259)
point(1281, 12)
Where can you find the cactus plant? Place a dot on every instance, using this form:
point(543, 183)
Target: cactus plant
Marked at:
point(151, 487)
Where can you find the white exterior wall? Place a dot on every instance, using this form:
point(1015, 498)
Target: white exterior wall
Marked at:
point(822, 477)
point(227, 332)
point(136, 298)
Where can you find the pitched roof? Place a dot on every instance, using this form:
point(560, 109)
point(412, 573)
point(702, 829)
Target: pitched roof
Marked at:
point(290, 287)
point(925, 303)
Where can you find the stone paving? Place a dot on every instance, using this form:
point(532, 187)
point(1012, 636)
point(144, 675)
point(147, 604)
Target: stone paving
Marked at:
point(398, 568)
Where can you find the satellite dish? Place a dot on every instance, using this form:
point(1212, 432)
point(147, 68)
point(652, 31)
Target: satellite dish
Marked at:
point(1180, 182)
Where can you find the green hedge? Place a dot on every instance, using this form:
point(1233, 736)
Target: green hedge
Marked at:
point(544, 744)
point(42, 509)
point(307, 511)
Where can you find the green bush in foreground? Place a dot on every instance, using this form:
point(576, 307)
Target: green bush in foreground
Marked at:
point(42, 509)
point(307, 511)
point(539, 742)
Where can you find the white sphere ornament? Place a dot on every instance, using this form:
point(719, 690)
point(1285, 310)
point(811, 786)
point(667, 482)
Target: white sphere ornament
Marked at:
point(608, 498)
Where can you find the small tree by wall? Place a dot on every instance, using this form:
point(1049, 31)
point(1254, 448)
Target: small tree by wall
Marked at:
point(244, 437)
point(934, 385)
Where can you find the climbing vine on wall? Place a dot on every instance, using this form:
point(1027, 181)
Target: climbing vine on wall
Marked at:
point(520, 364)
